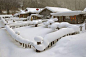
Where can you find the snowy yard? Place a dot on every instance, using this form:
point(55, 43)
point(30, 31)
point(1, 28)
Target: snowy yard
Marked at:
point(31, 32)
point(69, 46)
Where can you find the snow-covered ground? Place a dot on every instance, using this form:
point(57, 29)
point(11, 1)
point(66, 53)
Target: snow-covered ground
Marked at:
point(1, 24)
point(70, 46)
point(31, 32)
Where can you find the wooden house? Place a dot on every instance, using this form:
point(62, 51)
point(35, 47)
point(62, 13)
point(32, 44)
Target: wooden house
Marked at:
point(35, 16)
point(28, 12)
point(73, 17)
point(47, 10)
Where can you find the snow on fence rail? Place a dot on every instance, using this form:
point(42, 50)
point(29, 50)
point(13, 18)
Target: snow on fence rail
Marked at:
point(55, 36)
point(18, 38)
point(16, 19)
point(4, 21)
point(48, 40)
point(27, 23)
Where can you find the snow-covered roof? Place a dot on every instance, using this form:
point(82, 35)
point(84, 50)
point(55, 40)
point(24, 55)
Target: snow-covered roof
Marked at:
point(57, 9)
point(33, 10)
point(29, 10)
point(69, 13)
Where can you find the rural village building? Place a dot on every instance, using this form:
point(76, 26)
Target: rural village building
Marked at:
point(47, 10)
point(27, 12)
point(73, 17)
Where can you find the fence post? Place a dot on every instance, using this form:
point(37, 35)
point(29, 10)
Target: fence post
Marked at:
point(81, 28)
point(85, 24)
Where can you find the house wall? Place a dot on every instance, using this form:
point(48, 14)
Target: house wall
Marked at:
point(75, 20)
point(45, 13)
point(35, 18)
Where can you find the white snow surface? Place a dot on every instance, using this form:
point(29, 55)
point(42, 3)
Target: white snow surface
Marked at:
point(71, 46)
point(29, 32)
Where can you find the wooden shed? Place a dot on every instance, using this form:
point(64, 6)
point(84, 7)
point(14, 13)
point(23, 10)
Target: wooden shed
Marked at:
point(73, 17)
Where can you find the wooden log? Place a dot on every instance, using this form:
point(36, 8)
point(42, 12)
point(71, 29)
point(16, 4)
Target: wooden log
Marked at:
point(57, 39)
point(30, 46)
point(51, 43)
point(36, 25)
point(23, 44)
point(37, 50)
point(38, 43)
point(48, 46)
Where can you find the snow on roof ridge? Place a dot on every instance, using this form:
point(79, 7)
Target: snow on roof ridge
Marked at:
point(68, 13)
point(57, 9)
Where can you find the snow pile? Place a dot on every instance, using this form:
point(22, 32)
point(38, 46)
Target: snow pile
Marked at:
point(59, 25)
point(54, 19)
point(64, 25)
point(38, 39)
point(54, 26)
point(49, 22)
point(35, 22)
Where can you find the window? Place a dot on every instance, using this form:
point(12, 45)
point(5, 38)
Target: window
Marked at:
point(67, 17)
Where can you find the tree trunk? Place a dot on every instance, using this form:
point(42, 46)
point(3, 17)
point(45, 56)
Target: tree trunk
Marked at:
point(0, 11)
point(7, 11)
